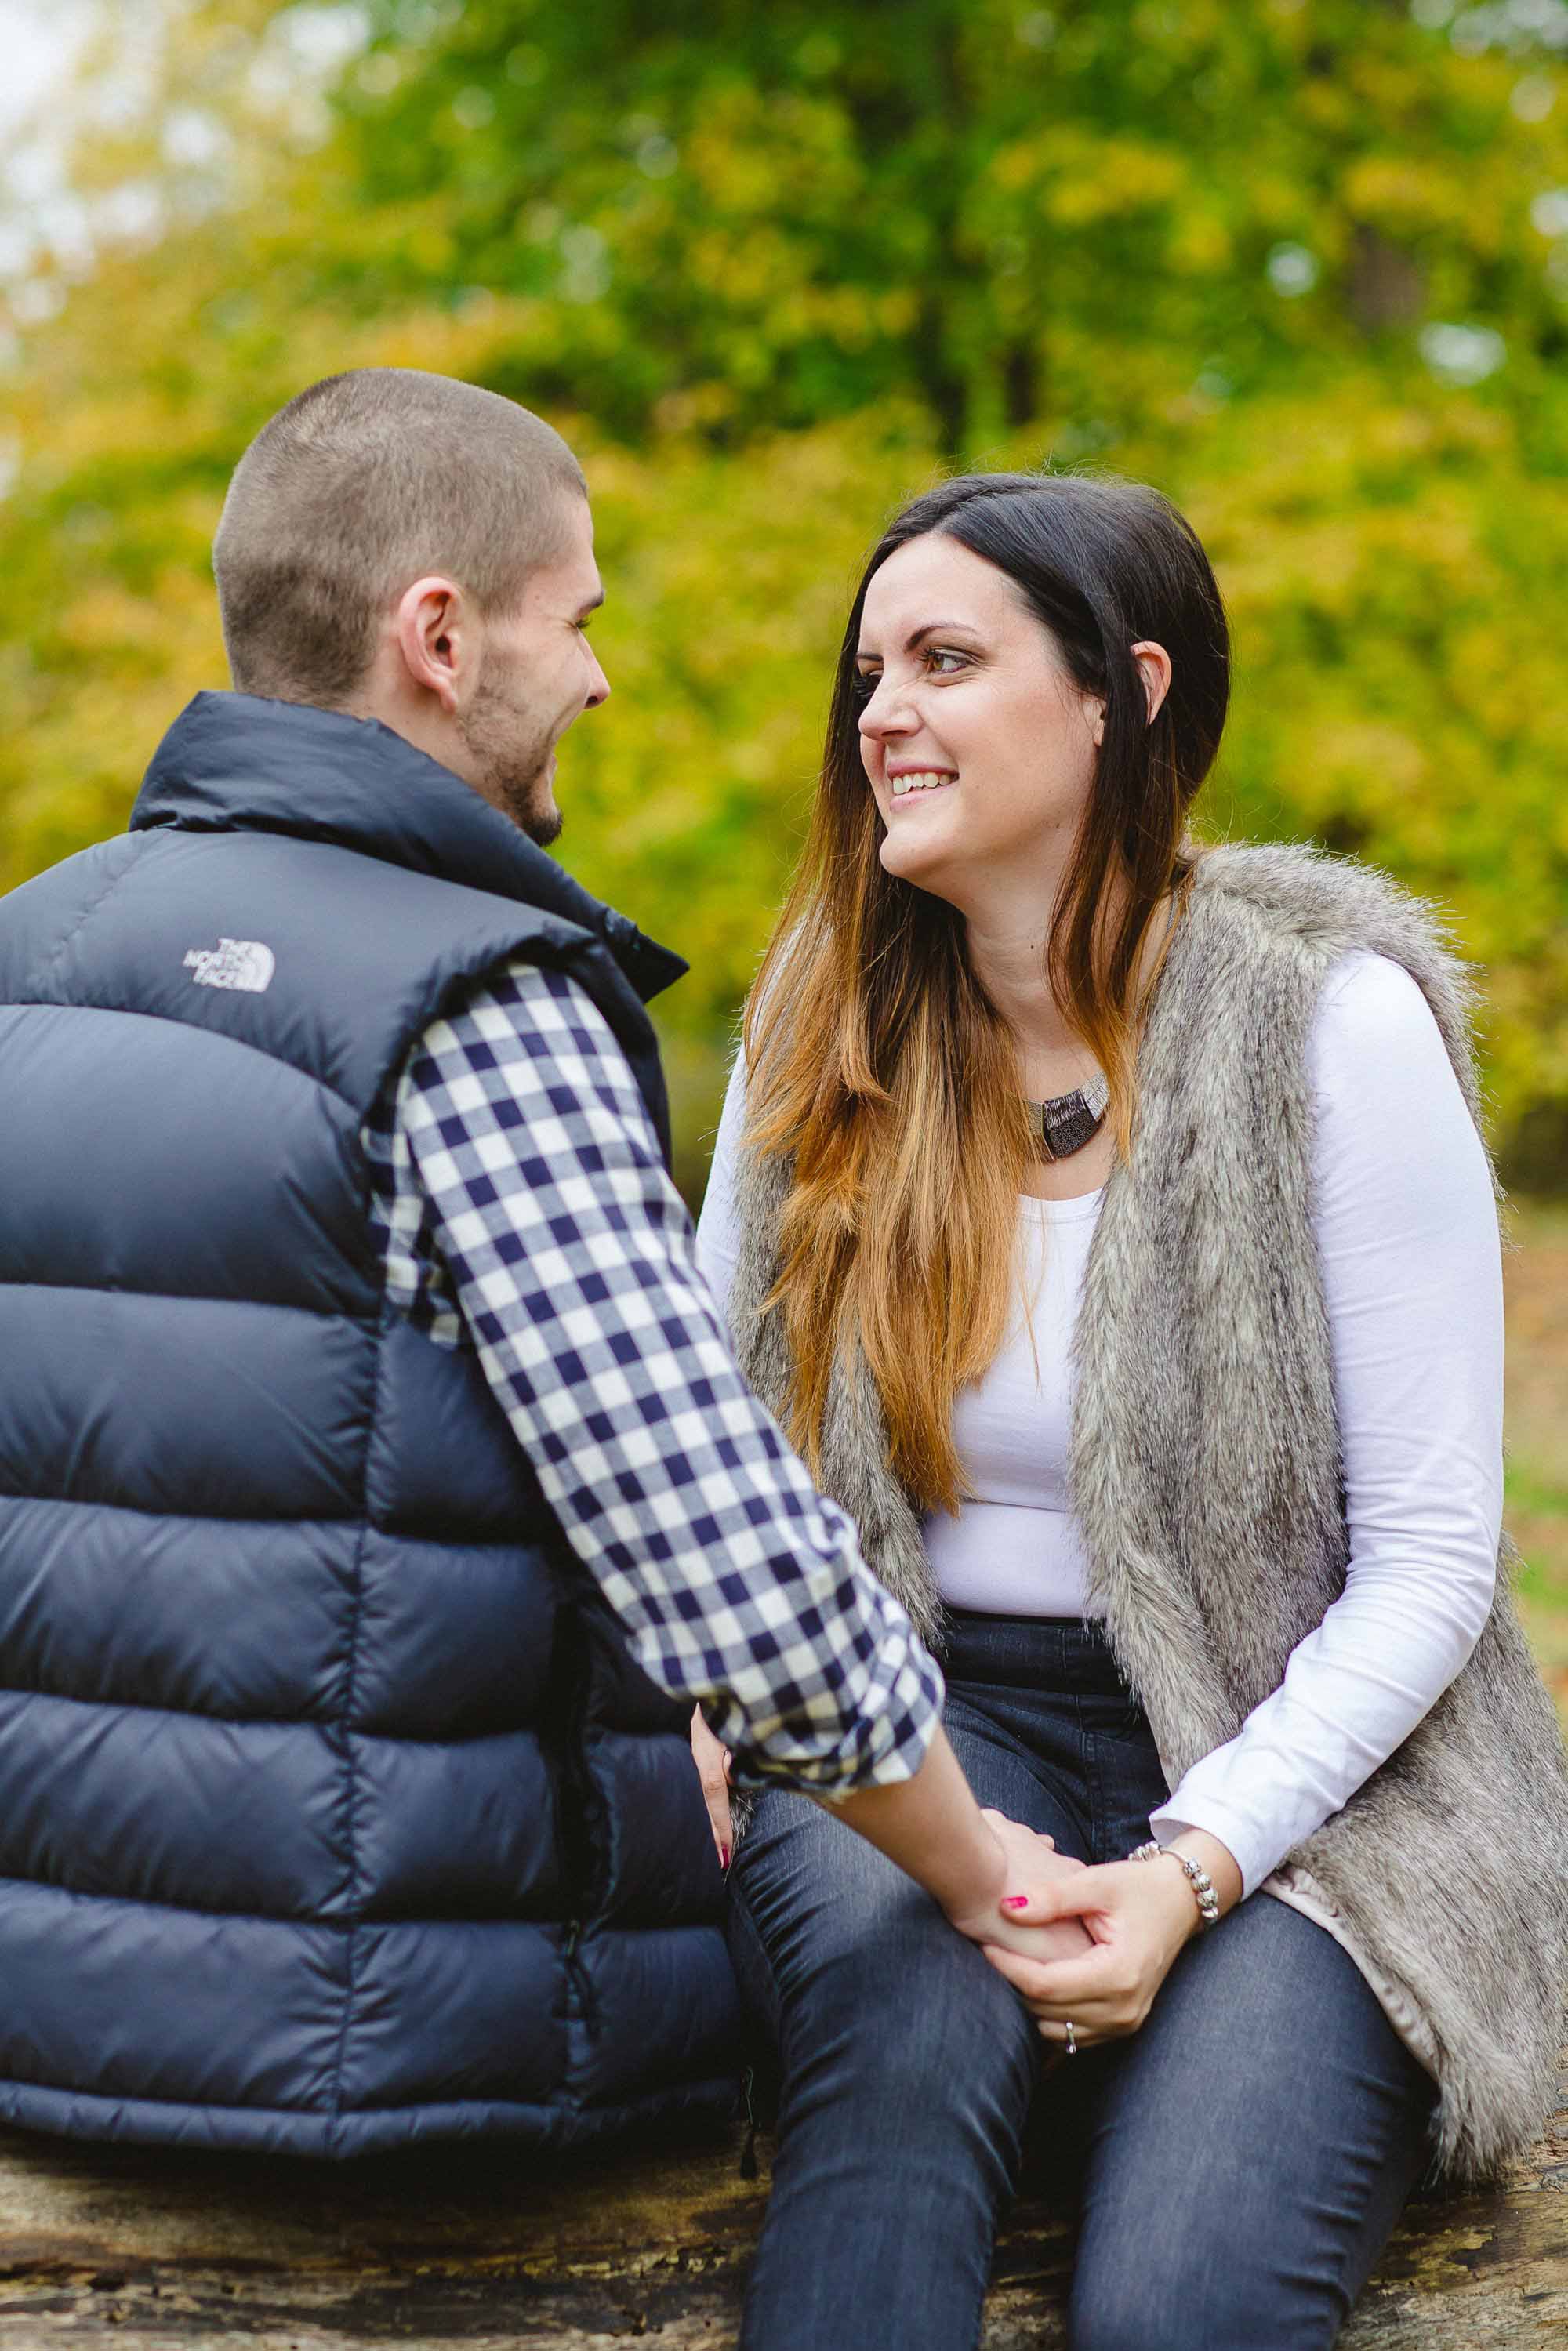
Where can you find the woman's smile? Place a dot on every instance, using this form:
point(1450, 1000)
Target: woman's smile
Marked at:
point(909, 784)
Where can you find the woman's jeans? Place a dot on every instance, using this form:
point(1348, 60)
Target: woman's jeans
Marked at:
point(1240, 2160)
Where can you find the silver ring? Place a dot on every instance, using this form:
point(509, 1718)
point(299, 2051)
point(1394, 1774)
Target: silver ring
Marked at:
point(1071, 2040)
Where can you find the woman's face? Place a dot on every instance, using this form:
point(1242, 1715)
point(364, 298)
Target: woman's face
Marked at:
point(977, 743)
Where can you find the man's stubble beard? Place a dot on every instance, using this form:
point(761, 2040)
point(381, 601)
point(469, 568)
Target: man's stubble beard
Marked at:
point(510, 748)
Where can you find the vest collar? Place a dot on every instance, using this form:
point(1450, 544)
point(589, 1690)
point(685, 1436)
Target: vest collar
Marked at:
point(235, 762)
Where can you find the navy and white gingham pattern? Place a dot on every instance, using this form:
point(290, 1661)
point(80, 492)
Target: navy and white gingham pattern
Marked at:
point(520, 1196)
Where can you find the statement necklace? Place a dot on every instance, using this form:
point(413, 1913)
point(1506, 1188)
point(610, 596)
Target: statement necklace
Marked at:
point(1066, 1122)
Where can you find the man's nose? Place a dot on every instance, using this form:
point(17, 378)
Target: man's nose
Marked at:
point(598, 689)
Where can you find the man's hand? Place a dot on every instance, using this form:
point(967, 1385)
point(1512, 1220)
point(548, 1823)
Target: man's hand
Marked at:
point(1031, 1865)
point(712, 1769)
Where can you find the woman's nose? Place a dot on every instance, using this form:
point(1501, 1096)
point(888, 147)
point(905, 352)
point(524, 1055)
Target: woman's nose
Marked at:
point(886, 712)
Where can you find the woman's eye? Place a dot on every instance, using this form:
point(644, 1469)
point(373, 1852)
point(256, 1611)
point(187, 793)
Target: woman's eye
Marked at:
point(864, 685)
point(940, 653)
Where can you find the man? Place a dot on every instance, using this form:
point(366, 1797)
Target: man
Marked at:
point(377, 1492)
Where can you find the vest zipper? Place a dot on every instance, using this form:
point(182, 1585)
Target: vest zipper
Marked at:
point(584, 1999)
point(748, 2152)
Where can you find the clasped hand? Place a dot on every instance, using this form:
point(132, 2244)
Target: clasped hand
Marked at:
point(1090, 1945)
point(1117, 1929)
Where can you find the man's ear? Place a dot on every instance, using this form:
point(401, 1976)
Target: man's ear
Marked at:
point(437, 638)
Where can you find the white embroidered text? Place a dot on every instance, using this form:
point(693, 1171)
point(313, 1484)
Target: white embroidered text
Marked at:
point(233, 963)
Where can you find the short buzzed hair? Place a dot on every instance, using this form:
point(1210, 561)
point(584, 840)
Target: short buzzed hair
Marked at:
point(364, 483)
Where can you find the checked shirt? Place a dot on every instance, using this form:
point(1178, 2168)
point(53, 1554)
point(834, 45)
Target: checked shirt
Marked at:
point(523, 1206)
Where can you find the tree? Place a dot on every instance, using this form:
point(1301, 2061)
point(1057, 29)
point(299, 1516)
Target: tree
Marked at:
point(1304, 267)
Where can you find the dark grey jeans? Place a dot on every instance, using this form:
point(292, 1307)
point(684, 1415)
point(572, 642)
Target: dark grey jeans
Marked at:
point(1237, 2163)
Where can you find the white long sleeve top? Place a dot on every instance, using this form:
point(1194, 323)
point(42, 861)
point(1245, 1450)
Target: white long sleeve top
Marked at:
point(1408, 1238)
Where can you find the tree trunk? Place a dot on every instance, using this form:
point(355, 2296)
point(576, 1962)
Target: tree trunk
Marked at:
point(483, 2247)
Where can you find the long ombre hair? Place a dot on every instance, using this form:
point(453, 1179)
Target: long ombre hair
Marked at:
point(877, 1064)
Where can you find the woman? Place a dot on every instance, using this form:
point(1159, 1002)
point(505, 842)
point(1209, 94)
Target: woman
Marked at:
point(1107, 1221)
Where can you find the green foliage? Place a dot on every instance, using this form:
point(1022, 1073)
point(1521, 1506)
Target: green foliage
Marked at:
point(770, 271)
point(741, 218)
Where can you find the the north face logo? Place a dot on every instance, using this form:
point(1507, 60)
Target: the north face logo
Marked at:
point(233, 963)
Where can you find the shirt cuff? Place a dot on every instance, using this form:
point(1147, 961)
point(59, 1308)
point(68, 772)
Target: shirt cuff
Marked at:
point(879, 1736)
point(1253, 1858)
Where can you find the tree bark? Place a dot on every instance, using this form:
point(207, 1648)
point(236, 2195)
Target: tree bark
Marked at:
point(488, 2248)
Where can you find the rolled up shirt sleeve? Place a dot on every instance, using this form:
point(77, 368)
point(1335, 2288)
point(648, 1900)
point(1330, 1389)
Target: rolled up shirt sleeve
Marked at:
point(521, 1154)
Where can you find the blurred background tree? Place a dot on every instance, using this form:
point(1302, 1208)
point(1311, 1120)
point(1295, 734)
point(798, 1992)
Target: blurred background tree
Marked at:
point(1304, 264)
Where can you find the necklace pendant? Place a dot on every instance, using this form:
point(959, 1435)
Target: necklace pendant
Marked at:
point(1066, 1122)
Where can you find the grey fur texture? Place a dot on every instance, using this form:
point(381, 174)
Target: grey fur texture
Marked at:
point(1206, 1479)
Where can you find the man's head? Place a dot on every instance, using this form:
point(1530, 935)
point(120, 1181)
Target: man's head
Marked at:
point(407, 547)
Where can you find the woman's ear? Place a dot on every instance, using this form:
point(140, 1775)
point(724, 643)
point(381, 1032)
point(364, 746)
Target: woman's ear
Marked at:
point(1154, 669)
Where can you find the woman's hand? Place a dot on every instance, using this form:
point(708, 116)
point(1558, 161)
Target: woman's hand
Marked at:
point(712, 1760)
point(1137, 1913)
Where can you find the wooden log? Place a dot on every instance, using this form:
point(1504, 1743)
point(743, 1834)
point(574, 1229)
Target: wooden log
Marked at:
point(483, 2247)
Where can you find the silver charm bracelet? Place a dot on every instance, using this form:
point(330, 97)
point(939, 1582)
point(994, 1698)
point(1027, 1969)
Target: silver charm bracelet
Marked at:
point(1197, 1878)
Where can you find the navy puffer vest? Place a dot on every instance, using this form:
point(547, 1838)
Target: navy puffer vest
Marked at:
point(333, 1813)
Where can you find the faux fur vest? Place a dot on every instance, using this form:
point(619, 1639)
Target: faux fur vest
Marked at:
point(1207, 1480)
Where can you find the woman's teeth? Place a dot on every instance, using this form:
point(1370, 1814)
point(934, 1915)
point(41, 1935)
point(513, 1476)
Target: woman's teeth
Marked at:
point(926, 782)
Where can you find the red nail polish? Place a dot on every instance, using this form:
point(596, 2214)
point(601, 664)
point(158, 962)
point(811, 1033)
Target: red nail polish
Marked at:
point(1015, 1902)
point(724, 1857)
